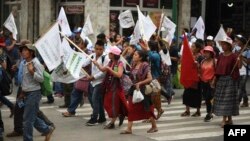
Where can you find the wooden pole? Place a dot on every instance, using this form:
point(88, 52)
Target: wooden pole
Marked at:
point(240, 55)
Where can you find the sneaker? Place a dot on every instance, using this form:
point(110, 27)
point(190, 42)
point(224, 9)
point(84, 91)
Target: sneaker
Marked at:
point(208, 118)
point(101, 120)
point(48, 135)
point(92, 122)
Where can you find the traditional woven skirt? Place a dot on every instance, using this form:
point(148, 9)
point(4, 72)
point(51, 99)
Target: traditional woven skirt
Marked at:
point(226, 99)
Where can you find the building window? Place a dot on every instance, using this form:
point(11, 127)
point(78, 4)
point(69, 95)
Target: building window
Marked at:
point(167, 4)
point(115, 2)
point(114, 22)
point(150, 3)
point(131, 3)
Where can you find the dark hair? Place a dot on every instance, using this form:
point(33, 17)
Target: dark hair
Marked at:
point(153, 45)
point(116, 57)
point(101, 36)
point(199, 43)
point(133, 46)
point(100, 43)
point(86, 42)
point(143, 55)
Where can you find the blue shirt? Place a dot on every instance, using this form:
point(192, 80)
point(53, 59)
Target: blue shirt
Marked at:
point(155, 61)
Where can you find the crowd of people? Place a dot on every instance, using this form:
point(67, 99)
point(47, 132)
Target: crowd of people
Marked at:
point(222, 73)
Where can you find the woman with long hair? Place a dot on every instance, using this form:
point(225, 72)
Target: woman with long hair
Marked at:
point(140, 75)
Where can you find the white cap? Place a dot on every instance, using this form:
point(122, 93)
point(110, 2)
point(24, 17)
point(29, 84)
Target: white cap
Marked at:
point(228, 40)
point(211, 38)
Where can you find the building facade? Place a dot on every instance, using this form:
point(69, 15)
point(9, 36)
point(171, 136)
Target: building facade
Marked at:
point(34, 17)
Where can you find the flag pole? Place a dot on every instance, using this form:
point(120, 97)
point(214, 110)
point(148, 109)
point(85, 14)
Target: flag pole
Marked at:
point(240, 55)
point(161, 21)
point(76, 46)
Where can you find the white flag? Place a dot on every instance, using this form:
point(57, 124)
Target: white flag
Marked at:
point(61, 74)
point(221, 35)
point(170, 28)
point(63, 22)
point(49, 47)
point(146, 26)
point(126, 19)
point(136, 36)
point(87, 28)
point(11, 25)
point(200, 28)
point(75, 62)
point(67, 50)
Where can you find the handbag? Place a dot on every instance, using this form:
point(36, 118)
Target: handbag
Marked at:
point(82, 85)
point(153, 87)
point(137, 96)
point(126, 83)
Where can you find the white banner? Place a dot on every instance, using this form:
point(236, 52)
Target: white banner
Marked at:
point(49, 47)
point(74, 63)
point(146, 26)
point(126, 19)
point(11, 25)
point(200, 28)
point(136, 36)
point(87, 28)
point(169, 28)
point(61, 74)
point(63, 22)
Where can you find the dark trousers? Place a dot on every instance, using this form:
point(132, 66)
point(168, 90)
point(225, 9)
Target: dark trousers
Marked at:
point(207, 92)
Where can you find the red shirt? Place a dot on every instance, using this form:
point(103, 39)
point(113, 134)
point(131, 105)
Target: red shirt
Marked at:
point(207, 70)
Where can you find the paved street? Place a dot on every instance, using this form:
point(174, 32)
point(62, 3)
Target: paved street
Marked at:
point(171, 126)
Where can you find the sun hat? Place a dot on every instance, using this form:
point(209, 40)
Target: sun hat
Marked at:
point(78, 30)
point(210, 38)
point(115, 50)
point(28, 46)
point(208, 48)
point(241, 38)
point(227, 40)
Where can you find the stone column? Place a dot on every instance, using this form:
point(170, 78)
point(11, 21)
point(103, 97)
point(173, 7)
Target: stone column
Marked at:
point(184, 15)
point(46, 18)
point(24, 19)
point(99, 16)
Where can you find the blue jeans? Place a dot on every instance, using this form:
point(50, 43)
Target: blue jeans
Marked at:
point(58, 87)
point(30, 118)
point(95, 97)
point(76, 98)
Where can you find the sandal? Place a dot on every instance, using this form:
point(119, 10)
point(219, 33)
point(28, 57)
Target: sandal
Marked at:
point(229, 122)
point(146, 121)
point(68, 114)
point(109, 126)
point(196, 114)
point(126, 132)
point(223, 123)
point(159, 114)
point(185, 114)
point(152, 130)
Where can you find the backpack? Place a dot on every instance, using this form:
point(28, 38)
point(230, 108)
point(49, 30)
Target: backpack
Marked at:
point(6, 86)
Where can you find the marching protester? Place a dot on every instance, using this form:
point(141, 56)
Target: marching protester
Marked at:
point(141, 76)
point(240, 42)
point(226, 102)
point(191, 95)
point(115, 102)
point(95, 89)
point(155, 61)
point(207, 71)
point(31, 91)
